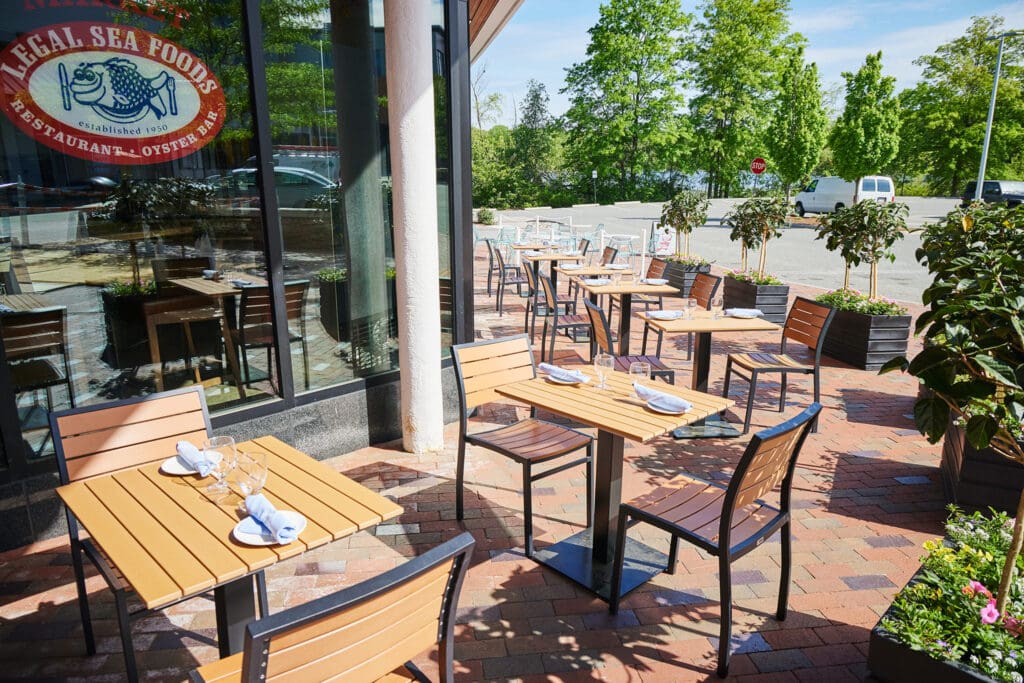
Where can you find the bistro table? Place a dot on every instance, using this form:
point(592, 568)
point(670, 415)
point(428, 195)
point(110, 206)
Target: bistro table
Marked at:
point(25, 302)
point(625, 290)
point(587, 556)
point(702, 324)
point(551, 257)
point(171, 541)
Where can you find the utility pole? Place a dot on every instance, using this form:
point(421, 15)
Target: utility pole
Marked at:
point(991, 110)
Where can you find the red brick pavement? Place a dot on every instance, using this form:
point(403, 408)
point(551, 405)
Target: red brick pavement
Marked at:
point(867, 494)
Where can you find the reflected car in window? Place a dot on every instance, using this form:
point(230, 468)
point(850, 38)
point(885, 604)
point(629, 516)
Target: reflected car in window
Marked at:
point(296, 187)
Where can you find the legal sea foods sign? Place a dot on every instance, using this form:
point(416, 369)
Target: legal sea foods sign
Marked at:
point(109, 93)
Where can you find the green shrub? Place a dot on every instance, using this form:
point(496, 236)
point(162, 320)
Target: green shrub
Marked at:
point(332, 275)
point(485, 216)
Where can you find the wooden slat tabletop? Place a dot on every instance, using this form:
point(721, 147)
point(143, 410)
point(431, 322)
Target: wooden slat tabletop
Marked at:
point(553, 257)
point(588, 271)
point(703, 322)
point(616, 409)
point(216, 288)
point(26, 302)
point(628, 288)
point(532, 245)
point(171, 540)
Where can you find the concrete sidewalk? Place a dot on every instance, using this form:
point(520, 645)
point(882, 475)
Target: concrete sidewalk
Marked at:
point(867, 494)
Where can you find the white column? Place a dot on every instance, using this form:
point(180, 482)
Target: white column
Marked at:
point(408, 44)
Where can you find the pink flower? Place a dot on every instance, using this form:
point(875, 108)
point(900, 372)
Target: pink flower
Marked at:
point(1013, 626)
point(989, 613)
point(974, 588)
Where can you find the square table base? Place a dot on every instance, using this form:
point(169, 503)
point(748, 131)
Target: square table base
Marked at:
point(713, 427)
point(573, 558)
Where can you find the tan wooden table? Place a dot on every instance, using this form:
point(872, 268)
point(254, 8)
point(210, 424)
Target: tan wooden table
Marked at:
point(626, 289)
point(587, 556)
point(171, 540)
point(703, 324)
point(26, 302)
point(550, 257)
point(593, 271)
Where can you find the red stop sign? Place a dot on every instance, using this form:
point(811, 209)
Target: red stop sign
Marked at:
point(758, 165)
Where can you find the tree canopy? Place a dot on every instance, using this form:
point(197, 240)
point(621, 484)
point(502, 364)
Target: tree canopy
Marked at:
point(799, 125)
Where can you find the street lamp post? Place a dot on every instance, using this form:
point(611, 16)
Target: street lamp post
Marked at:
point(991, 110)
point(593, 176)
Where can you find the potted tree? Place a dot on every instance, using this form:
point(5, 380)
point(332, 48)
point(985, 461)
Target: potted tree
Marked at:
point(685, 212)
point(867, 330)
point(754, 223)
point(973, 366)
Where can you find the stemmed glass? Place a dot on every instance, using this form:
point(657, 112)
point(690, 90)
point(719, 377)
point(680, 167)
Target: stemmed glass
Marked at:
point(716, 307)
point(639, 372)
point(250, 474)
point(604, 363)
point(691, 308)
point(224, 446)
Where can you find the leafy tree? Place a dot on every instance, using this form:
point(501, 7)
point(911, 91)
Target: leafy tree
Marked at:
point(866, 137)
point(735, 59)
point(533, 139)
point(754, 223)
point(863, 232)
point(486, 106)
point(625, 101)
point(684, 212)
point(799, 124)
point(945, 113)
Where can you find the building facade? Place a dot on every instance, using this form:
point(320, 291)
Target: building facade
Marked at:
point(200, 191)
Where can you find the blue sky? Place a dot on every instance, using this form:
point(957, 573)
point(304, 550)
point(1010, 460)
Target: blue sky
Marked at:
point(546, 36)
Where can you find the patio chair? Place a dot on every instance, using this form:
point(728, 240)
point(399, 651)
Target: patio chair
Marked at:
point(726, 521)
point(165, 269)
point(603, 338)
point(655, 269)
point(104, 438)
point(608, 255)
point(256, 327)
point(560, 318)
point(185, 311)
point(480, 368)
point(507, 276)
point(573, 287)
point(806, 325)
point(367, 632)
point(703, 290)
point(492, 263)
point(566, 303)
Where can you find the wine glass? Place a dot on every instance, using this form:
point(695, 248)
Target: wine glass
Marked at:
point(639, 372)
point(604, 363)
point(224, 447)
point(250, 474)
point(691, 308)
point(716, 306)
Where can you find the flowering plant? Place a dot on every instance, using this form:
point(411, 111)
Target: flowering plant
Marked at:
point(950, 612)
point(688, 260)
point(852, 300)
point(754, 278)
point(130, 288)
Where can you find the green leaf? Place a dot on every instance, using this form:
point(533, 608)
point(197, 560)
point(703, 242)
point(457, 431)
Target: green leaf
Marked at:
point(931, 415)
point(997, 369)
point(898, 363)
point(980, 430)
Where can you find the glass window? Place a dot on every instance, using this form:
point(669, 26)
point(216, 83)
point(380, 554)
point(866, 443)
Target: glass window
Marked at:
point(119, 132)
point(812, 186)
point(884, 185)
point(867, 185)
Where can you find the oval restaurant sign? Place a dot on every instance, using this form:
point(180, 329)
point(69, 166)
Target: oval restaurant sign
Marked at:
point(109, 93)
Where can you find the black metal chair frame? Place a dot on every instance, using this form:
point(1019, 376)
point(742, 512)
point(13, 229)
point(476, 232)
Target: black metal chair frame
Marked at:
point(507, 275)
point(553, 314)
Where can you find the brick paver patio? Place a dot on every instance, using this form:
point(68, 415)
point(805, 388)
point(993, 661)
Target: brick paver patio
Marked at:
point(866, 495)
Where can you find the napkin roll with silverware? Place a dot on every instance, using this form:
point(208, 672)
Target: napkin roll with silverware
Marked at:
point(661, 399)
point(744, 312)
point(563, 374)
point(281, 526)
point(194, 457)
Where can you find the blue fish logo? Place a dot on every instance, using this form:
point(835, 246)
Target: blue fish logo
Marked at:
point(117, 92)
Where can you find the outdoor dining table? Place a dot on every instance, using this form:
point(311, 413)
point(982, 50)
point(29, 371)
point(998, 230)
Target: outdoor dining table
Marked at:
point(25, 302)
point(625, 290)
point(551, 257)
point(171, 540)
point(586, 557)
point(702, 325)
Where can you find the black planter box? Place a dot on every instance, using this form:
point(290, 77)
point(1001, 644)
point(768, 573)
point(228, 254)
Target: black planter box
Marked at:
point(866, 341)
point(334, 309)
point(682, 276)
point(890, 661)
point(772, 300)
point(977, 480)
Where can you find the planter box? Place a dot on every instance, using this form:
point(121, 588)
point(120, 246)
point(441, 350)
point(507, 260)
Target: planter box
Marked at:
point(681, 276)
point(772, 300)
point(866, 341)
point(334, 309)
point(977, 480)
point(890, 661)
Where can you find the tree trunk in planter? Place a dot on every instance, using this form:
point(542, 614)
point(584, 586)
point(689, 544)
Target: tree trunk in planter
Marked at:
point(681, 276)
point(890, 661)
point(976, 480)
point(772, 300)
point(335, 308)
point(866, 341)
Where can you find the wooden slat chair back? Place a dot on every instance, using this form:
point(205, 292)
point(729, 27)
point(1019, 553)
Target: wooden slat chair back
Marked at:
point(256, 329)
point(727, 521)
point(602, 332)
point(583, 246)
point(480, 369)
point(608, 255)
point(656, 268)
point(32, 341)
point(806, 324)
point(367, 632)
point(105, 438)
point(165, 269)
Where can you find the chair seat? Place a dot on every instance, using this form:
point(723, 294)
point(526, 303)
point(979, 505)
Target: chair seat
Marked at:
point(768, 361)
point(531, 440)
point(37, 373)
point(693, 508)
point(229, 670)
point(622, 363)
point(573, 319)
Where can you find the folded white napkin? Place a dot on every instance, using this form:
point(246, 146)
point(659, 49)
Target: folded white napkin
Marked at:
point(654, 281)
point(617, 266)
point(238, 282)
point(283, 526)
point(194, 458)
point(598, 281)
point(662, 400)
point(531, 252)
point(563, 374)
point(665, 315)
point(744, 312)
point(571, 266)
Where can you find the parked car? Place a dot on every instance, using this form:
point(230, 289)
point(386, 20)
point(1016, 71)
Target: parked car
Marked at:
point(1010, 192)
point(824, 195)
point(296, 187)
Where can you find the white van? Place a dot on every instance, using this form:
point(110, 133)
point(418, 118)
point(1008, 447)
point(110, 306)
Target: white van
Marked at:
point(824, 195)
